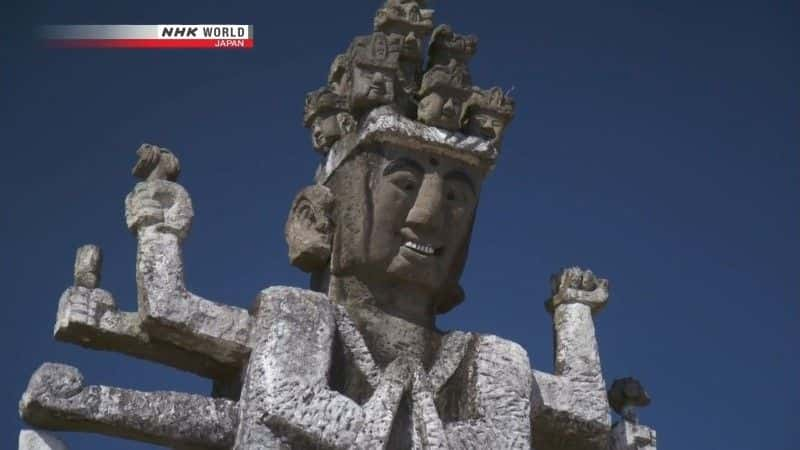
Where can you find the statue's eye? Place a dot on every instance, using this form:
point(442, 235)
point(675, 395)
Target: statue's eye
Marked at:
point(404, 180)
point(458, 191)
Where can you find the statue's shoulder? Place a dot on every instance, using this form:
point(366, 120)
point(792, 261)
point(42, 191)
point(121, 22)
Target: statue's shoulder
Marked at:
point(504, 359)
point(501, 379)
point(288, 302)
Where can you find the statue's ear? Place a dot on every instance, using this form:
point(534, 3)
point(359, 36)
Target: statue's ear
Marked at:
point(309, 229)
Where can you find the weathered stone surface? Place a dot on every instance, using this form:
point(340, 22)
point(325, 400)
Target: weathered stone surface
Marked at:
point(58, 399)
point(91, 319)
point(567, 414)
point(570, 408)
point(88, 263)
point(309, 229)
point(632, 436)
point(39, 440)
point(286, 383)
point(498, 395)
point(385, 126)
point(160, 213)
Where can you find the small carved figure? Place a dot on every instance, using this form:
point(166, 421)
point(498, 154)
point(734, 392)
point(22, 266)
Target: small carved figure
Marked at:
point(444, 90)
point(373, 71)
point(446, 46)
point(327, 115)
point(403, 17)
point(488, 113)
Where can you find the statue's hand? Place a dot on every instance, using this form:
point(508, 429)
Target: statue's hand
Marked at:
point(50, 386)
point(575, 285)
point(161, 204)
point(380, 410)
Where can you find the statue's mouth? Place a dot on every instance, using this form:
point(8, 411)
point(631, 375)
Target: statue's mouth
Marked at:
point(424, 249)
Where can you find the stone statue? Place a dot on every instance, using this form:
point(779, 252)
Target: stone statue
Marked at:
point(357, 360)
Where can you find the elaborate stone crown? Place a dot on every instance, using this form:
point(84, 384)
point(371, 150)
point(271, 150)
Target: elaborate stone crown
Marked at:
point(380, 84)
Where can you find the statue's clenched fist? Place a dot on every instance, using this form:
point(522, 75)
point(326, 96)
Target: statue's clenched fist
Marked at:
point(156, 163)
point(575, 285)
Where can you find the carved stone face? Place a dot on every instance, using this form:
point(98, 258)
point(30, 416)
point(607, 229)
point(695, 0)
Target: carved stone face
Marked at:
point(422, 212)
point(372, 87)
point(324, 131)
point(329, 128)
point(487, 126)
point(440, 111)
point(409, 44)
point(308, 228)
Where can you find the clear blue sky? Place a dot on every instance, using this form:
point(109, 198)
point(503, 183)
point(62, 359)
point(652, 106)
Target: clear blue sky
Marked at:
point(655, 142)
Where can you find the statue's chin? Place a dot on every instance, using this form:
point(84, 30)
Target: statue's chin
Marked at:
point(415, 268)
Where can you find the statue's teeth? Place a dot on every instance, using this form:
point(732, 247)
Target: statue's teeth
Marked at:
point(422, 248)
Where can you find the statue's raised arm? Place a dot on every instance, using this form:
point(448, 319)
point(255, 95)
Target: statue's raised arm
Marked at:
point(159, 212)
point(172, 325)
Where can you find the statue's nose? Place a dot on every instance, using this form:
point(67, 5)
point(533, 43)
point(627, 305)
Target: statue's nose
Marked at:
point(426, 215)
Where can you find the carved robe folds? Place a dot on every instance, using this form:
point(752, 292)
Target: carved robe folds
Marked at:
point(476, 395)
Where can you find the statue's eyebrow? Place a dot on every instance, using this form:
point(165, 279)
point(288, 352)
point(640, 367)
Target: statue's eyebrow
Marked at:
point(461, 176)
point(403, 163)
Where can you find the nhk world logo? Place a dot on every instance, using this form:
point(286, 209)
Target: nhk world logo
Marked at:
point(148, 36)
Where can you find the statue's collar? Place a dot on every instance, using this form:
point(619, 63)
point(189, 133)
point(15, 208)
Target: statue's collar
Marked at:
point(449, 356)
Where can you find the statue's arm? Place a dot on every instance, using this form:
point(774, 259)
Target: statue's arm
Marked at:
point(159, 213)
point(286, 391)
point(570, 407)
point(58, 399)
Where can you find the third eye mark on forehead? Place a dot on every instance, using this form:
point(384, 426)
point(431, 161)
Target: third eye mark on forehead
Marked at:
point(410, 164)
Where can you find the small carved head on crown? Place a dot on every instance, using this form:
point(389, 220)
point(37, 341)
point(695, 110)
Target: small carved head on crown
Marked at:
point(444, 91)
point(404, 17)
point(373, 71)
point(327, 116)
point(488, 113)
point(446, 45)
